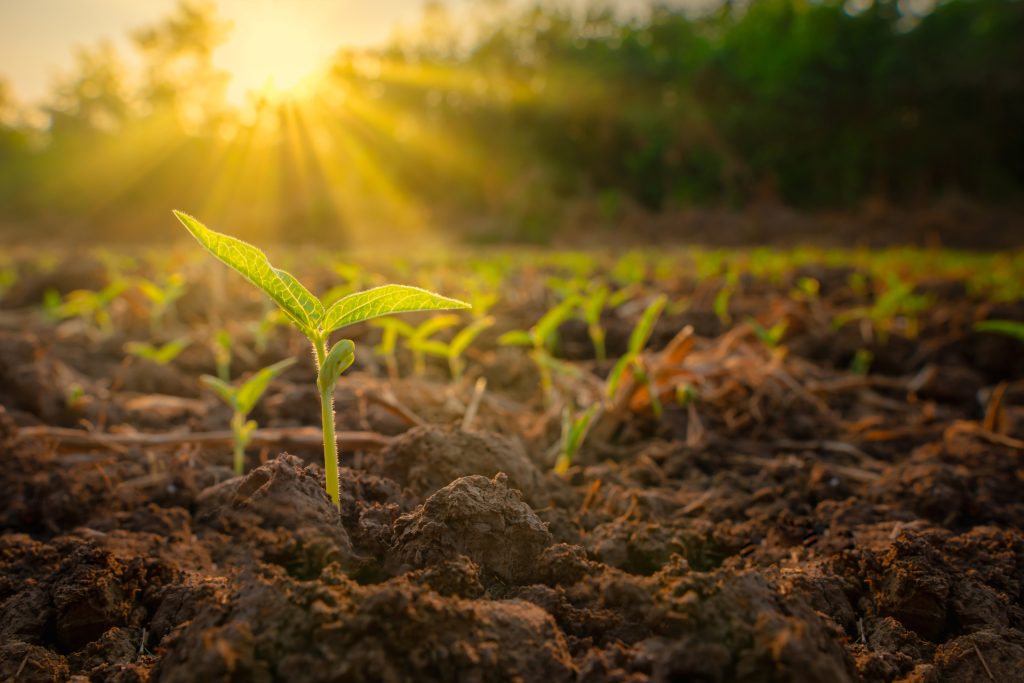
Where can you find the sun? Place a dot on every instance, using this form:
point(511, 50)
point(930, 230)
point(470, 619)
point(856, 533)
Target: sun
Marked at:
point(273, 52)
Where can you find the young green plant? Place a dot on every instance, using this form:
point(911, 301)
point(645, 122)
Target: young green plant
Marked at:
point(574, 430)
point(390, 329)
point(591, 308)
point(453, 350)
point(242, 398)
point(633, 361)
point(541, 337)
point(161, 355)
point(316, 321)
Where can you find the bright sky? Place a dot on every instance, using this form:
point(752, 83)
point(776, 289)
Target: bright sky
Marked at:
point(37, 37)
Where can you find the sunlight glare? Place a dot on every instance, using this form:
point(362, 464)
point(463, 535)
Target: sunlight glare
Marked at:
point(272, 52)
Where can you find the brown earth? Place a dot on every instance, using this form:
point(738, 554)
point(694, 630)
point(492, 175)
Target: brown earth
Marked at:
point(797, 523)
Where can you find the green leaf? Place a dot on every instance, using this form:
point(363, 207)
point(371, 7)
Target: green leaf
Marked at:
point(615, 376)
point(1010, 328)
point(384, 300)
point(430, 327)
point(579, 429)
point(547, 326)
point(431, 347)
point(253, 265)
point(161, 355)
point(221, 388)
point(254, 387)
point(516, 338)
point(466, 335)
point(642, 332)
point(310, 304)
point(594, 305)
point(338, 360)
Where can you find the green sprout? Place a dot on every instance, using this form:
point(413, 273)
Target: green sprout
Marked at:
point(316, 321)
point(592, 307)
point(721, 304)
point(633, 358)
point(860, 364)
point(898, 301)
point(806, 289)
point(390, 329)
point(222, 342)
point(242, 399)
point(161, 355)
point(769, 336)
point(419, 336)
point(574, 431)
point(91, 307)
point(453, 350)
point(1008, 328)
point(541, 337)
point(161, 297)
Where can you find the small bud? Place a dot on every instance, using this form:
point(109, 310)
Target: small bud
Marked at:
point(338, 361)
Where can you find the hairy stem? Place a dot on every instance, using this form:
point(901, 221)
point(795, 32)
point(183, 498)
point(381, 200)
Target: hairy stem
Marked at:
point(327, 420)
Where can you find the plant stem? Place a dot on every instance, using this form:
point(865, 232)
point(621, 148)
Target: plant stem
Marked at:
point(327, 421)
point(237, 425)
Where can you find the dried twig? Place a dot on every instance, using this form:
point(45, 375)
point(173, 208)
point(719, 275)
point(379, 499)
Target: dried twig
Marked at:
point(983, 662)
point(474, 403)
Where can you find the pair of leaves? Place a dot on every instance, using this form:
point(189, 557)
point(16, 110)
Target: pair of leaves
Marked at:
point(542, 334)
point(305, 310)
point(243, 398)
point(161, 355)
point(459, 343)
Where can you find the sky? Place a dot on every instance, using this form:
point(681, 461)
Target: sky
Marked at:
point(38, 37)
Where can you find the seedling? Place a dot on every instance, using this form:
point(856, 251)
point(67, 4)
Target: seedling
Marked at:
point(1009, 328)
point(541, 337)
point(316, 321)
point(222, 342)
point(633, 358)
point(806, 289)
point(592, 307)
point(769, 336)
point(242, 399)
point(90, 307)
point(453, 350)
point(721, 305)
point(574, 431)
point(898, 301)
point(161, 297)
point(390, 329)
point(860, 364)
point(419, 336)
point(161, 355)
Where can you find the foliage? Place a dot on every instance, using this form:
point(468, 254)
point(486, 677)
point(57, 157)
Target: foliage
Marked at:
point(1009, 328)
point(242, 398)
point(632, 360)
point(542, 337)
point(161, 355)
point(807, 103)
point(453, 350)
point(574, 431)
point(315, 320)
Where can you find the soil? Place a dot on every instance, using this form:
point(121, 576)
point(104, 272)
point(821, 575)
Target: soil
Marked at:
point(798, 522)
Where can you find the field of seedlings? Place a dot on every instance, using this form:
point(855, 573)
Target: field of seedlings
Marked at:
point(672, 465)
